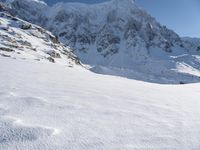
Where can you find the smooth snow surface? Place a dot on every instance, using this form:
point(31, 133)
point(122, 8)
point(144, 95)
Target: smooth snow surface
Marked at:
point(45, 106)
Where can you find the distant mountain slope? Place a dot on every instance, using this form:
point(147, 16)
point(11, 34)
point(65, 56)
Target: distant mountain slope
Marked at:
point(117, 38)
point(20, 39)
point(192, 42)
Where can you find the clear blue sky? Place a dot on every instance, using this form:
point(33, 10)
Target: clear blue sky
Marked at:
point(183, 16)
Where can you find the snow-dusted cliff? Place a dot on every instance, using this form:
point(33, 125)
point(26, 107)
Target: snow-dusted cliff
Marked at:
point(22, 40)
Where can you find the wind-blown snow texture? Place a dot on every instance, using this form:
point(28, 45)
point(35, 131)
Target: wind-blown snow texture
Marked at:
point(63, 106)
point(116, 38)
point(47, 106)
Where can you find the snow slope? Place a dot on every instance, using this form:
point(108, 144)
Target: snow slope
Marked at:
point(47, 106)
point(23, 40)
point(51, 106)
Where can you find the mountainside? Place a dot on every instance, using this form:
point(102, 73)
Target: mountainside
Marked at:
point(23, 40)
point(50, 101)
point(117, 38)
point(192, 42)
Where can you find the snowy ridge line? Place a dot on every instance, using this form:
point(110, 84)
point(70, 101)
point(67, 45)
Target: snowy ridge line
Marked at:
point(21, 39)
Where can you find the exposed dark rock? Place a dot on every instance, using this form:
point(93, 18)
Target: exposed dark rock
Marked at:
point(51, 59)
point(198, 48)
point(25, 43)
point(181, 82)
point(4, 55)
point(37, 59)
point(26, 26)
point(54, 54)
point(6, 49)
point(54, 39)
point(40, 30)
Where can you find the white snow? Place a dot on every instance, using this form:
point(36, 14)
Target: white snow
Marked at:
point(34, 43)
point(47, 106)
point(63, 106)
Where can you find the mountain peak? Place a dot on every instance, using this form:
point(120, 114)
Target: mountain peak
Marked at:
point(123, 3)
point(115, 34)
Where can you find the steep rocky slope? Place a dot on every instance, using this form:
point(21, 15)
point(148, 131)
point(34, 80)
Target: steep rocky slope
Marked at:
point(20, 39)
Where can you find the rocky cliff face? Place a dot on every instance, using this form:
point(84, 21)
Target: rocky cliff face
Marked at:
point(108, 28)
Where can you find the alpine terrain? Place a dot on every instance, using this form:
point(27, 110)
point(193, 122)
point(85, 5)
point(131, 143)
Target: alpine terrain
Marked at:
point(105, 76)
point(117, 38)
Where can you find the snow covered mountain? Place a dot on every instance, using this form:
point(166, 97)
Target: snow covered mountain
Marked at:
point(23, 40)
point(47, 105)
point(117, 38)
point(192, 42)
